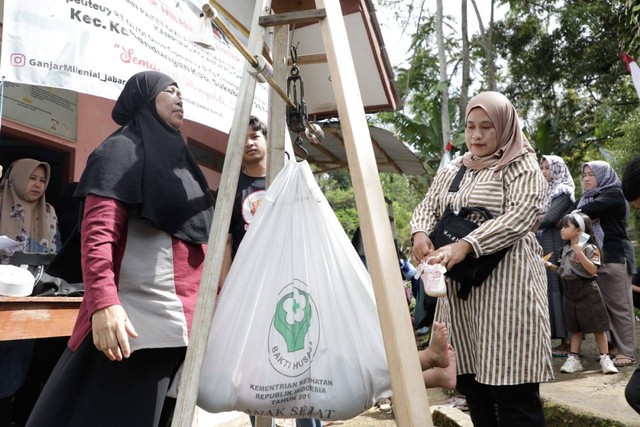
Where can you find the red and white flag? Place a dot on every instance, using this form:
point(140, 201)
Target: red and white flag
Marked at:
point(446, 156)
point(634, 69)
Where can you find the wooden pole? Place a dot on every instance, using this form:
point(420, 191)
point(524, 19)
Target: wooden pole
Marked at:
point(189, 383)
point(277, 128)
point(411, 405)
point(277, 109)
point(410, 399)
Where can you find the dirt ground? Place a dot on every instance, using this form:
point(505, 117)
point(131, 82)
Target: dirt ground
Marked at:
point(585, 394)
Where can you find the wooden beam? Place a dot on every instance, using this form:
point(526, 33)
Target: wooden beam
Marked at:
point(277, 108)
point(409, 393)
point(189, 383)
point(37, 317)
point(387, 157)
point(314, 58)
point(277, 129)
point(283, 6)
point(291, 18)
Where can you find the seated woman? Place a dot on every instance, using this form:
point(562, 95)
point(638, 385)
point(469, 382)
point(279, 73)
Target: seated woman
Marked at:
point(26, 217)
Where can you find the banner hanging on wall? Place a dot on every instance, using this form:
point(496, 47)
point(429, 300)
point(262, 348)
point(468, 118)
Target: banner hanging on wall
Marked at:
point(94, 46)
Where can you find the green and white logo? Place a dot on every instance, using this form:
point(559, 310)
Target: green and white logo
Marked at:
point(294, 331)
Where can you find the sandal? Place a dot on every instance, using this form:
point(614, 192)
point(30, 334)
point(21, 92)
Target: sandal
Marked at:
point(561, 350)
point(620, 360)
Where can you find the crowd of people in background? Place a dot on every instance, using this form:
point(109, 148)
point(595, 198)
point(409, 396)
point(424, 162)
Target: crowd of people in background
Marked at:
point(589, 285)
point(603, 202)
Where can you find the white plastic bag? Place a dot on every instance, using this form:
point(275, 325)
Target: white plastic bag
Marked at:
point(295, 333)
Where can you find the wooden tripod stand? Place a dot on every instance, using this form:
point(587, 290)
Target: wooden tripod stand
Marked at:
point(409, 393)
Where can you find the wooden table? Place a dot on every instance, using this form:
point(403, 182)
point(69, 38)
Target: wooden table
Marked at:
point(37, 317)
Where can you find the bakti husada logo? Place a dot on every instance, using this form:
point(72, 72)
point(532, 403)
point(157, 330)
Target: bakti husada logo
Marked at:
point(295, 331)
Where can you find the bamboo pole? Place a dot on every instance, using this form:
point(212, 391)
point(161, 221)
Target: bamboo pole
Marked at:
point(410, 399)
point(189, 383)
point(409, 393)
point(277, 129)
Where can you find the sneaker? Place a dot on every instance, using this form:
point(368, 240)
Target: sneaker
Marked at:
point(607, 365)
point(572, 365)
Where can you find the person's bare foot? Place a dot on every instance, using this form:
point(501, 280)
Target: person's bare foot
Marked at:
point(435, 356)
point(442, 377)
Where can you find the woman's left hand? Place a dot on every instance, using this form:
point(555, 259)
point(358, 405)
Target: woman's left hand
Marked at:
point(450, 255)
point(111, 331)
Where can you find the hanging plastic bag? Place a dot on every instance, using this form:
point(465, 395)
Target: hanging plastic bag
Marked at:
point(295, 333)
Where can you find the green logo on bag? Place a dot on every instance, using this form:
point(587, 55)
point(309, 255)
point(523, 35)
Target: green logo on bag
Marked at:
point(293, 317)
point(295, 330)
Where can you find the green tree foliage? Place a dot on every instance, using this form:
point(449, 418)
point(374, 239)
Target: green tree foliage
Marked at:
point(558, 61)
point(404, 192)
point(631, 40)
point(564, 72)
point(419, 124)
point(566, 77)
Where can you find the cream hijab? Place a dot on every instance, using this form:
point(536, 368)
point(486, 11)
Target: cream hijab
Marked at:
point(511, 141)
point(20, 219)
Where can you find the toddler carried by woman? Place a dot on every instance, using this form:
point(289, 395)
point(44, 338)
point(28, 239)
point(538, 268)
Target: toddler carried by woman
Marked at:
point(583, 304)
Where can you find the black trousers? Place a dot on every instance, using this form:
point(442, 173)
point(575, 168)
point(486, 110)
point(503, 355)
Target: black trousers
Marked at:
point(502, 406)
point(87, 389)
point(632, 391)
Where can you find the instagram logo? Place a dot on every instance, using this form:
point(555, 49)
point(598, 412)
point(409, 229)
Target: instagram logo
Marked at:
point(18, 59)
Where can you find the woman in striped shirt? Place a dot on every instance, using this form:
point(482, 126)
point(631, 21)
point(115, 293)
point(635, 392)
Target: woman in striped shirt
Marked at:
point(501, 331)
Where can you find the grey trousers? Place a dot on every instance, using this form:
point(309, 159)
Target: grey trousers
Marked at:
point(615, 285)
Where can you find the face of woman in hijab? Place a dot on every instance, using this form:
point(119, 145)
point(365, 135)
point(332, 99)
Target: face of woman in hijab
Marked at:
point(169, 107)
point(36, 184)
point(546, 170)
point(480, 134)
point(589, 180)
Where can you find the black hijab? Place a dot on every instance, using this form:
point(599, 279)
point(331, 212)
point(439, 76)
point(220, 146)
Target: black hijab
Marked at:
point(146, 164)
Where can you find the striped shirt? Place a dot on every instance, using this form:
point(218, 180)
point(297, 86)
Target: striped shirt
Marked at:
point(501, 333)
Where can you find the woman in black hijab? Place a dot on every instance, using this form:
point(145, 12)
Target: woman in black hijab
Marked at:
point(147, 215)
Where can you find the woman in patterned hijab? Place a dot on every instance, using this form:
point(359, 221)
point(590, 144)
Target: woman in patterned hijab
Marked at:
point(559, 198)
point(560, 180)
point(25, 216)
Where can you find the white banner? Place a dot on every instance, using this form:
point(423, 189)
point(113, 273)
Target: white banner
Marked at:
point(94, 46)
